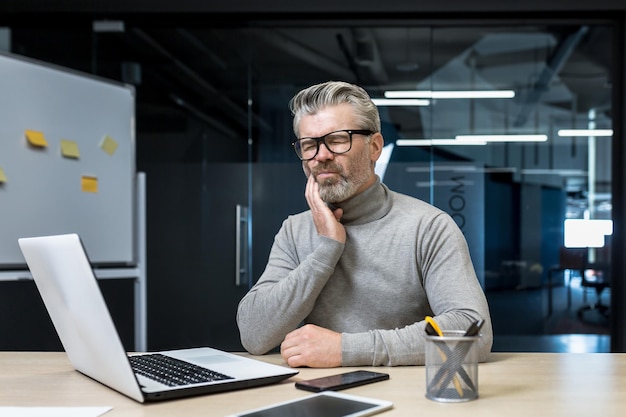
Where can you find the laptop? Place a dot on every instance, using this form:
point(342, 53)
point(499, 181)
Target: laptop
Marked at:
point(70, 291)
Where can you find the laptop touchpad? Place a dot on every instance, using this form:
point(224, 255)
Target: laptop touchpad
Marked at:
point(212, 359)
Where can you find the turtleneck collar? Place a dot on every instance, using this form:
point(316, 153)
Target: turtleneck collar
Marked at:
point(370, 205)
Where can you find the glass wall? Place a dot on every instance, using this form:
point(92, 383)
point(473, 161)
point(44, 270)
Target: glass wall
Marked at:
point(505, 126)
point(491, 124)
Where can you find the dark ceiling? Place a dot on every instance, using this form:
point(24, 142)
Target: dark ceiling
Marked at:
point(210, 72)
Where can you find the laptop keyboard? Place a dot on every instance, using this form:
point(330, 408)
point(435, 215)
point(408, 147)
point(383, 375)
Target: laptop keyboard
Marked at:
point(172, 372)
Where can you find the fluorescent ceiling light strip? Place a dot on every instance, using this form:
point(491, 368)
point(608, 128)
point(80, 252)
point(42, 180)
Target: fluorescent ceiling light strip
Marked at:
point(457, 168)
point(503, 138)
point(450, 94)
point(400, 102)
point(585, 132)
point(431, 142)
point(561, 172)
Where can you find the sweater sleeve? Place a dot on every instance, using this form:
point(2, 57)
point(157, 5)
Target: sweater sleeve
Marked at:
point(454, 294)
point(286, 292)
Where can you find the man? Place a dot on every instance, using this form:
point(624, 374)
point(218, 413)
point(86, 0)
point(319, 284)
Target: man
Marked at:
point(349, 282)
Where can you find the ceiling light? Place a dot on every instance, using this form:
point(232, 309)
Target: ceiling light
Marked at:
point(503, 138)
point(560, 172)
point(585, 132)
point(407, 66)
point(450, 94)
point(434, 142)
point(102, 26)
point(400, 102)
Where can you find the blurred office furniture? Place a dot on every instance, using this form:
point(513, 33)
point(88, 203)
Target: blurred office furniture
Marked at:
point(571, 261)
point(596, 276)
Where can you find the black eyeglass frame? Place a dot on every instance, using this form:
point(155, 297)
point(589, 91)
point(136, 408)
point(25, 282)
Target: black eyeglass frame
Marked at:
point(322, 139)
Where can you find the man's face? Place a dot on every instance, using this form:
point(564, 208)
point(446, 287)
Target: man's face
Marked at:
point(344, 175)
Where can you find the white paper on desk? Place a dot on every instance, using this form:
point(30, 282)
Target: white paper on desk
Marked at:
point(53, 411)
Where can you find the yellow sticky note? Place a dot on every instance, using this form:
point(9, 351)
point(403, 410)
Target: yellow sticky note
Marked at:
point(89, 184)
point(3, 177)
point(108, 144)
point(69, 149)
point(36, 138)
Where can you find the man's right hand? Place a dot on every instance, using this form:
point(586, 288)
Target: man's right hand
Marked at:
point(326, 221)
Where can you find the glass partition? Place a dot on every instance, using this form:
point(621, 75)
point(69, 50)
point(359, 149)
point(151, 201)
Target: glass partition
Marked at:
point(508, 129)
point(506, 126)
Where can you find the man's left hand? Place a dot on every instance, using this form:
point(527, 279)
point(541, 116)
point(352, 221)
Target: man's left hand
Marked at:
point(312, 346)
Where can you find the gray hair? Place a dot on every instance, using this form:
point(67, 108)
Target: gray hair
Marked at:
point(314, 98)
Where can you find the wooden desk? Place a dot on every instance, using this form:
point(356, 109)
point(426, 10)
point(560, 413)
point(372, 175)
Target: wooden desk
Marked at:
point(510, 384)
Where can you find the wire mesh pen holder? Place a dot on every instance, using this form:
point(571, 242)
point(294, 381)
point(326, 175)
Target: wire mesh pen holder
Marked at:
point(452, 367)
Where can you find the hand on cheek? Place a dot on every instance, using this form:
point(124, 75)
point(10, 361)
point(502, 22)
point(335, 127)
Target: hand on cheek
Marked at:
point(326, 221)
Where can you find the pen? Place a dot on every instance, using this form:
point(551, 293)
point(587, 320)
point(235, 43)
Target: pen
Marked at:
point(444, 375)
point(432, 328)
point(430, 323)
point(474, 328)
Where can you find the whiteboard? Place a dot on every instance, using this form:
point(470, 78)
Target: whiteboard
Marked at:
point(78, 182)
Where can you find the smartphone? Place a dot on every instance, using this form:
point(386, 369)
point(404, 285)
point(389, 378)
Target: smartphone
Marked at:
point(341, 381)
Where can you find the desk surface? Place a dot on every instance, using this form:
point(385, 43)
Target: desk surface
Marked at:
point(510, 384)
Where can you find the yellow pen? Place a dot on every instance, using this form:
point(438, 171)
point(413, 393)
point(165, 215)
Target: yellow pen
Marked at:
point(432, 322)
point(457, 383)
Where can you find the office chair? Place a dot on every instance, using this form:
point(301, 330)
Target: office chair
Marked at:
point(596, 276)
point(573, 260)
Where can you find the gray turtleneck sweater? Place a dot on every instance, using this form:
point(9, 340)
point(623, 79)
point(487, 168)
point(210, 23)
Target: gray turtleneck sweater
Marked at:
point(403, 260)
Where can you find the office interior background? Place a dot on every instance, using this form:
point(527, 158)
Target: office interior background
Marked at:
point(516, 166)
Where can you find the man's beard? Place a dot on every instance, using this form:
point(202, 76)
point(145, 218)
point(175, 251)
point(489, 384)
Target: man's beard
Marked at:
point(334, 190)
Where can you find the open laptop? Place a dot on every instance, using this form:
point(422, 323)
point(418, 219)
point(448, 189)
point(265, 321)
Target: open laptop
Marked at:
point(68, 287)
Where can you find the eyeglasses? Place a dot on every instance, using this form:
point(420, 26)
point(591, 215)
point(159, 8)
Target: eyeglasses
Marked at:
point(337, 142)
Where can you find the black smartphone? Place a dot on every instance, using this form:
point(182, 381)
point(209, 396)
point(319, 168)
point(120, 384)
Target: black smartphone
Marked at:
point(341, 381)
